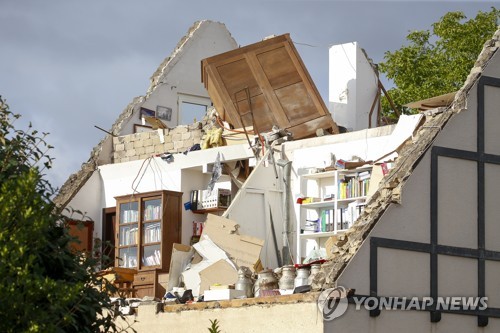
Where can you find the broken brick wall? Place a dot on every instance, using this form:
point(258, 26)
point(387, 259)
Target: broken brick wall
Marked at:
point(139, 146)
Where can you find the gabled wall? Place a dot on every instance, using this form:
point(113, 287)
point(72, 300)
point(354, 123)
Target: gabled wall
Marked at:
point(180, 74)
point(440, 222)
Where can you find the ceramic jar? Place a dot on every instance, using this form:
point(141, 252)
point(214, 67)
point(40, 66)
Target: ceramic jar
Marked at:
point(315, 268)
point(244, 281)
point(266, 280)
point(287, 278)
point(302, 276)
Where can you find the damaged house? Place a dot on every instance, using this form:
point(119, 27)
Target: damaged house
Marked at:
point(264, 184)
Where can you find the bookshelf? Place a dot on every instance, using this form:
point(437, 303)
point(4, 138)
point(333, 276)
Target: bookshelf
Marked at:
point(333, 201)
point(147, 226)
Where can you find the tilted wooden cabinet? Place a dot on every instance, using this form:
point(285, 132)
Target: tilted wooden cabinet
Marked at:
point(266, 84)
point(147, 226)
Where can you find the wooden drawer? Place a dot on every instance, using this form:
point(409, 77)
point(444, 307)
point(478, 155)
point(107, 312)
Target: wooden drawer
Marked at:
point(144, 278)
point(147, 284)
point(146, 290)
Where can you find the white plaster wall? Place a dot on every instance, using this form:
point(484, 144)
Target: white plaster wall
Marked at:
point(353, 86)
point(295, 317)
point(137, 177)
point(342, 87)
point(184, 77)
point(366, 91)
point(89, 201)
point(405, 273)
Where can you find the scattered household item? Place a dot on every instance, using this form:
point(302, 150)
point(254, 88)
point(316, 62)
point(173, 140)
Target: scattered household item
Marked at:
point(186, 297)
point(302, 289)
point(222, 294)
point(287, 277)
point(192, 148)
point(266, 280)
point(244, 282)
point(302, 276)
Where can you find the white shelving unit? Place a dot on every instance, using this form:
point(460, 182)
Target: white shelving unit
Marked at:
point(329, 184)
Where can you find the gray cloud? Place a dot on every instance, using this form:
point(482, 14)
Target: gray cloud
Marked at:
point(67, 66)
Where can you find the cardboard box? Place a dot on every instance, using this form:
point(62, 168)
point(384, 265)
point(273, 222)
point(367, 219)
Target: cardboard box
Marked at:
point(163, 280)
point(221, 272)
point(222, 294)
point(181, 257)
point(242, 250)
point(201, 275)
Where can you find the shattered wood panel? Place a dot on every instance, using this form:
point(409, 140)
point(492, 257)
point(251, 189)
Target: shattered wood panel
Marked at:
point(281, 90)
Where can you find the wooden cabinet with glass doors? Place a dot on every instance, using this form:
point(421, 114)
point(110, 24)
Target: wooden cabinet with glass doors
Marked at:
point(147, 226)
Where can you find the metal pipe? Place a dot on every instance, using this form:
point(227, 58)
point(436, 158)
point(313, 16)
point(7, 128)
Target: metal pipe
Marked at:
point(287, 168)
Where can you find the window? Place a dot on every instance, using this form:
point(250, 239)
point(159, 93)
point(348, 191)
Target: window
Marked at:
point(192, 108)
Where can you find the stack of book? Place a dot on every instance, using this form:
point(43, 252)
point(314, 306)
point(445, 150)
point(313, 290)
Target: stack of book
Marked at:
point(312, 226)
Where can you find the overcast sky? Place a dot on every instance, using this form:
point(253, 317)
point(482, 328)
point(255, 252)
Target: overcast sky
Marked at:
point(67, 66)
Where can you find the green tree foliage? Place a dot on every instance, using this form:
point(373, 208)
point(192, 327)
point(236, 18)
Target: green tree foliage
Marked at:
point(437, 62)
point(45, 286)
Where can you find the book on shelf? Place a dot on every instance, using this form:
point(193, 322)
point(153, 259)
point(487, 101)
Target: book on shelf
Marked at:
point(129, 216)
point(194, 199)
point(197, 228)
point(152, 212)
point(311, 226)
point(129, 261)
point(364, 175)
point(152, 233)
point(353, 187)
point(346, 216)
point(128, 236)
point(152, 260)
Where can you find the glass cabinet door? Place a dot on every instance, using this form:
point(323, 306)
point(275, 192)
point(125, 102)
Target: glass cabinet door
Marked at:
point(151, 255)
point(128, 234)
point(151, 232)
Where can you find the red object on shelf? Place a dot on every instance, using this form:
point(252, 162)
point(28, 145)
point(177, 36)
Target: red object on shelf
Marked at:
point(311, 263)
